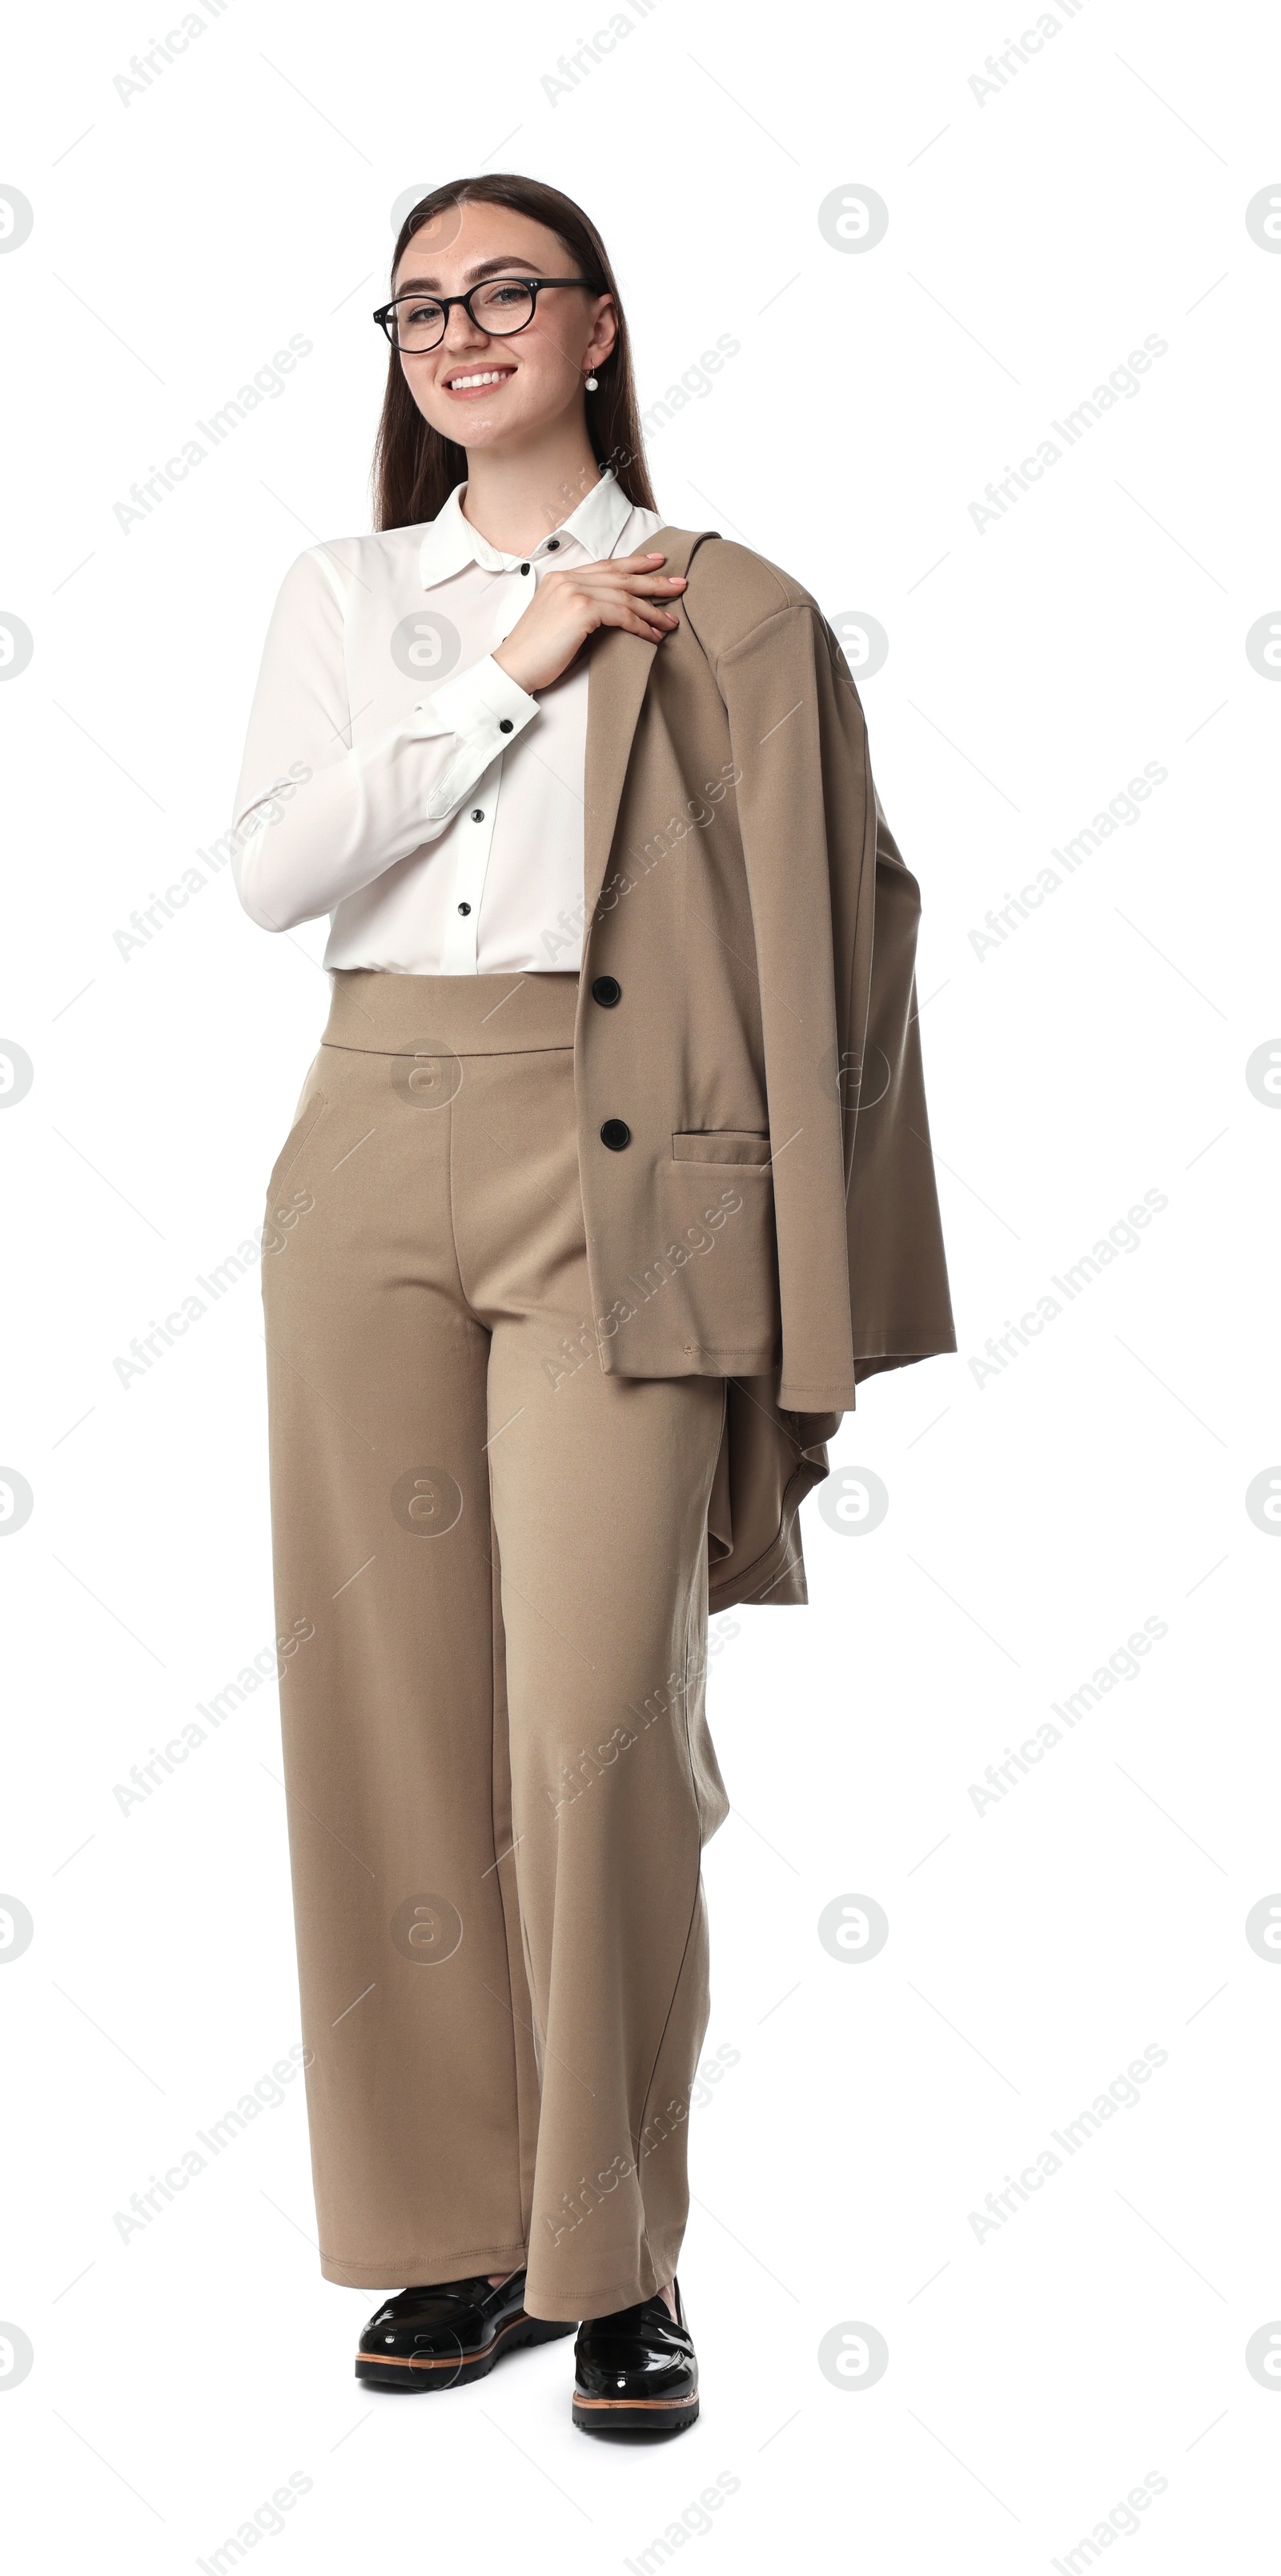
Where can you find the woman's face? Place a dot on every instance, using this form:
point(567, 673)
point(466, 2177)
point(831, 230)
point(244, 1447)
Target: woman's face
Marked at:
point(531, 378)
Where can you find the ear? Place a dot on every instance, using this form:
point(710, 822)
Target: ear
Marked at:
point(604, 332)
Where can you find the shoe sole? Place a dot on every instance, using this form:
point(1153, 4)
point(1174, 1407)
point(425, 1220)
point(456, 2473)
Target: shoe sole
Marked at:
point(415, 2374)
point(634, 2414)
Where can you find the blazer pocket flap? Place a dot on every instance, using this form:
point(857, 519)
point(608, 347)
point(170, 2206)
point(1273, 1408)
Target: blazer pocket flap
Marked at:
point(721, 1145)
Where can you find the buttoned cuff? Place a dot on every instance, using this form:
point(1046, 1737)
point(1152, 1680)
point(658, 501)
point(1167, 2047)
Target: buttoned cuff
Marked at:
point(481, 701)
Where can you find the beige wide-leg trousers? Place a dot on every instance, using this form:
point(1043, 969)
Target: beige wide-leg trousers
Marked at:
point(498, 1768)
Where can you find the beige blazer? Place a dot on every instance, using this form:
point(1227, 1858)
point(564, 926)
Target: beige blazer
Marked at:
point(753, 1143)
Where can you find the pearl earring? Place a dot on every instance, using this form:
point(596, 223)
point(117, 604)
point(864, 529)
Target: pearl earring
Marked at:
point(592, 384)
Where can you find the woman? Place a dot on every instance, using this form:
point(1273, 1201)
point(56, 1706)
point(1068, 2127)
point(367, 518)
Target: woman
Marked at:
point(573, 1257)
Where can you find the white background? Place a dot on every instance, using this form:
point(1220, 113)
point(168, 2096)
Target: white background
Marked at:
point(1036, 1519)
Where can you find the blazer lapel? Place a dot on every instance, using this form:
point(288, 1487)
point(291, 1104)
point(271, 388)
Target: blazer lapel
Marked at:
point(617, 678)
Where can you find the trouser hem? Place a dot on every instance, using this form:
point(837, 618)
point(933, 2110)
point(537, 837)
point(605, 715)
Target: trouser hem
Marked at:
point(422, 2270)
point(601, 2298)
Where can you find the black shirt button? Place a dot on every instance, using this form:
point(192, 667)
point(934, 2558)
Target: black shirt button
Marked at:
point(478, 814)
point(524, 567)
point(552, 544)
point(615, 1133)
point(606, 990)
point(504, 724)
point(464, 907)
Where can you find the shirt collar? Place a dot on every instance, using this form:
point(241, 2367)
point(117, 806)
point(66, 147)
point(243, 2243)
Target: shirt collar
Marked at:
point(450, 542)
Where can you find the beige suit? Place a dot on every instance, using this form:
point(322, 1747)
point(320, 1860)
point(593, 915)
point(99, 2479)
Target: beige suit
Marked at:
point(567, 1281)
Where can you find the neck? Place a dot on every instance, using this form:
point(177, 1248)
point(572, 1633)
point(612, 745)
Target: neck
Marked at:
point(516, 500)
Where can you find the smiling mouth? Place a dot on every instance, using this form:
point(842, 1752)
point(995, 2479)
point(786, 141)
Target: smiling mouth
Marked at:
point(478, 380)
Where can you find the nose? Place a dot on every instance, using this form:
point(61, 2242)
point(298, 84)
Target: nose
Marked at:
point(461, 332)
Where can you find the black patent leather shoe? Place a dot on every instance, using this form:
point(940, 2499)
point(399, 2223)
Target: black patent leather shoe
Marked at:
point(637, 2371)
point(449, 2333)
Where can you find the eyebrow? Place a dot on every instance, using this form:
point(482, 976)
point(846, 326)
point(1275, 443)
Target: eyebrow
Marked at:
point(472, 276)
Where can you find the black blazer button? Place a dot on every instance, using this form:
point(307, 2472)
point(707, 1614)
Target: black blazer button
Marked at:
point(607, 990)
point(615, 1133)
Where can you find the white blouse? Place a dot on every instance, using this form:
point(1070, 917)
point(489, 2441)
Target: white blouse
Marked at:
point(396, 778)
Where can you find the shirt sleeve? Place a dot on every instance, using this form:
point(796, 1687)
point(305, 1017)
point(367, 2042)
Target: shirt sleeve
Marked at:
point(315, 819)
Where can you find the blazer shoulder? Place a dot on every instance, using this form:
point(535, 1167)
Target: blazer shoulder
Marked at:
point(732, 590)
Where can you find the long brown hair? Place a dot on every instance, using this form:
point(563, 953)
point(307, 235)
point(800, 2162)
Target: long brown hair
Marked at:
point(415, 467)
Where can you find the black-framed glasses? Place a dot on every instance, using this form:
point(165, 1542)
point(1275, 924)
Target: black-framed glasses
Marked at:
point(499, 306)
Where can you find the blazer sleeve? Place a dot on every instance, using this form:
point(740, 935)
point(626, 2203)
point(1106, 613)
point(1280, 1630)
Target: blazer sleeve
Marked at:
point(901, 1306)
point(862, 1275)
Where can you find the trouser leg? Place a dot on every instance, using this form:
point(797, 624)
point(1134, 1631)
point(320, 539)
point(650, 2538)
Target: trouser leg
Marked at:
point(421, 2087)
point(604, 1608)
point(600, 1489)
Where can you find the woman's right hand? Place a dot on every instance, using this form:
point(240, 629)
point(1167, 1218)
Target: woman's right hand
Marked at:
point(571, 602)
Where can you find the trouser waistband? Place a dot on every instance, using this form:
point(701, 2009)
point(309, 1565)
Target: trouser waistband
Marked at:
point(381, 1014)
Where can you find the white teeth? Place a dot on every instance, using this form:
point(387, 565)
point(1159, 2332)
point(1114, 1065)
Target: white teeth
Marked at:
point(496, 376)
